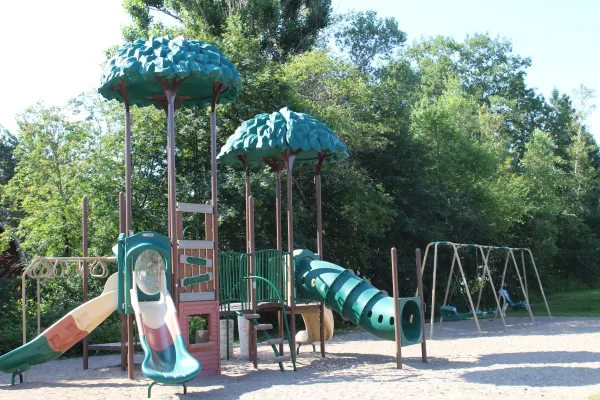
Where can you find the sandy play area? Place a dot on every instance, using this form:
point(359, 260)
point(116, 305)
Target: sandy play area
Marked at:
point(551, 360)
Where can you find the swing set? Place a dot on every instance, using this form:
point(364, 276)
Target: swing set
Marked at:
point(501, 296)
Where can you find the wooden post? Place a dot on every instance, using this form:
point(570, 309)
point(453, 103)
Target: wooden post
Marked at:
point(420, 289)
point(130, 349)
point(84, 250)
point(397, 321)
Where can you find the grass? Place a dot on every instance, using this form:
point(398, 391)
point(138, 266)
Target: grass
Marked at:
point(580, 303)
point(595, 397)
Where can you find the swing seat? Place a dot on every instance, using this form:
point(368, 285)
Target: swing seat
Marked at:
point(449, 313)
point(521, 305)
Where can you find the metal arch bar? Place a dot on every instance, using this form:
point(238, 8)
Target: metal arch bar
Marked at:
point(522, 287)
point(539, 281)
point(485, 257)
point(450, 276)
point(435, 256)
point(489, 274)
point(462, 273)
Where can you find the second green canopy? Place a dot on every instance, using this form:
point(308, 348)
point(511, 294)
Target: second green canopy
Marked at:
point(267, 136)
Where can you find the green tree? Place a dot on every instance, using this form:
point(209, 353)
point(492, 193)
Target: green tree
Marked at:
point(486, 69)
point(8, 143)
point(543, 172)
point(281, 27)
point(48, 181)
point(365, 38)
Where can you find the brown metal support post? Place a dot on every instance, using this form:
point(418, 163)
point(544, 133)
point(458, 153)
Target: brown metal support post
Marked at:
point(397, 321)
point(122, 88)
point(278, 208)
point(248, 194)
point(122, 229)
point(420, 289)
point(128, 214)
point(218, 88)
point(320, 159)
point(169, 103)
point(277, 169)
point(172, 186)
point(128, 218)
point(251, 243)
point(289, 160)
point(84, 250)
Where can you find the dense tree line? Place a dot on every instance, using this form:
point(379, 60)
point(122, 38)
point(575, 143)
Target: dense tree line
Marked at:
point(446, 142)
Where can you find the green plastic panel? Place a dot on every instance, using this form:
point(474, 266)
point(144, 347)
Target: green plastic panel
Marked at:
point(193, 280)
point(196, 261)
point(133, 247)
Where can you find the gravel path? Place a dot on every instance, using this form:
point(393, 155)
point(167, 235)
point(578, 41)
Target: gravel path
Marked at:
point(557, 359)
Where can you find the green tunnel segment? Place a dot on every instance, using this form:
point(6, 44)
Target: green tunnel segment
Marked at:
point(355, 299)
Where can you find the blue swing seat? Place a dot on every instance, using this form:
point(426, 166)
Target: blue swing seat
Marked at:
point(521, 305)
point(449, 313)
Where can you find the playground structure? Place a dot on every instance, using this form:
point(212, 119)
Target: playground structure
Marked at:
point(163, 281)
point(483, 253)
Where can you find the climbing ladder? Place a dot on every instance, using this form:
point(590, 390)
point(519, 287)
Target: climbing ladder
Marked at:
point(253, 317)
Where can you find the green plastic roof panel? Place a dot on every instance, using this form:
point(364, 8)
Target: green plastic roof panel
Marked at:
point(268, 135)
point(139, 63)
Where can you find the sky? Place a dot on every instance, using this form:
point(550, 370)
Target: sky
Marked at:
point(562, 38)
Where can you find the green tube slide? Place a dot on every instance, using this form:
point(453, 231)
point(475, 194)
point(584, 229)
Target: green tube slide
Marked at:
point(355, 299)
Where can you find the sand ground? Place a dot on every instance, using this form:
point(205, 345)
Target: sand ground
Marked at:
point(557, 359)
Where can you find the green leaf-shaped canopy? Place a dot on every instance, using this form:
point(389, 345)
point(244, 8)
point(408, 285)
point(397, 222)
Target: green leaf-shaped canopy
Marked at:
point(139, 63)
point(266, 136)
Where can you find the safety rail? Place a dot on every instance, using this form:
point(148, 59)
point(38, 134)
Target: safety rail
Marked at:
point(271, 265)
point(233, 269)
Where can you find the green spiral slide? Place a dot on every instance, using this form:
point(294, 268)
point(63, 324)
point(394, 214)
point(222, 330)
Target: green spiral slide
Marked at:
point(355, 299)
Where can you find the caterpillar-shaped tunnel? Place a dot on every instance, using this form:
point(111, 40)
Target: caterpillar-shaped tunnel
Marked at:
point(355, 299)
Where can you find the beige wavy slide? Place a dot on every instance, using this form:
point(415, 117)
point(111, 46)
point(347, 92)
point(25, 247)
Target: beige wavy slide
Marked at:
point(312, 333)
